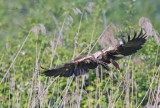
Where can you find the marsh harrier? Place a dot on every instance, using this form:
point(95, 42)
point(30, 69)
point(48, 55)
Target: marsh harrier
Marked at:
point(81, 65)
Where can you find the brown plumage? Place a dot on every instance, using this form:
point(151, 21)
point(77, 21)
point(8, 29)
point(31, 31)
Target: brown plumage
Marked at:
point(81, 65)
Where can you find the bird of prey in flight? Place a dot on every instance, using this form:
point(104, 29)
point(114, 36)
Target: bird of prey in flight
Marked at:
point(81, 65)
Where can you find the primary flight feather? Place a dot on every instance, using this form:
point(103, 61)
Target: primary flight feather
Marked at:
point(81, 65)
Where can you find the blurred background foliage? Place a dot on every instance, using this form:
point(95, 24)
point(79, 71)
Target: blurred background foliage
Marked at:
point(54, 32)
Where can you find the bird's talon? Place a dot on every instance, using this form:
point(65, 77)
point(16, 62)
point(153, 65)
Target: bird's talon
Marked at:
point(122, 78)
point(111, 79)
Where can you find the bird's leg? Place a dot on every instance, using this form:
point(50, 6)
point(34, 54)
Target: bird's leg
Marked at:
point(114, 63)
point(117, 66)
point(104, 65)
point(121, 75)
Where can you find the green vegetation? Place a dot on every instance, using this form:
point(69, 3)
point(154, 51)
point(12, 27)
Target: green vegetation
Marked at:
point(50, 33)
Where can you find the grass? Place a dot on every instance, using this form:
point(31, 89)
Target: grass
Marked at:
point(40, 44)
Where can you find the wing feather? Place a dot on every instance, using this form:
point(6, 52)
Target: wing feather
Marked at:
point(127, 48)
point(78, 66)
point(133, 45)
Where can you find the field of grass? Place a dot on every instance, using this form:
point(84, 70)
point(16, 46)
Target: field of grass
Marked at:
point(35, 33)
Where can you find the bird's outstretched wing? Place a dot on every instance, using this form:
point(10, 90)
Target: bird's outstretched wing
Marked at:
point(133, 45)
point(129, 47)
point(78, 66)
